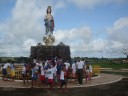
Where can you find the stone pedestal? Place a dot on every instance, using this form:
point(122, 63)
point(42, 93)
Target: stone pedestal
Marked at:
point(49, 40)
point(43, 52)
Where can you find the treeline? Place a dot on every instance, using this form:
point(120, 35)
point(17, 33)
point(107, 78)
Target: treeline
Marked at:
point(15, 59)
point(89, 59)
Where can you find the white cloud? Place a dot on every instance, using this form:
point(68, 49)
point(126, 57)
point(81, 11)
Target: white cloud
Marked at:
point(28, 43)
point(120, 24)
point(93, 3)
point(75, 35)
point(26, 22)
point(118, 32)
point(60, 4)
point(81, 41)
point(77, 38)
point(98, 45)
point(117, 36)
point(116, 45)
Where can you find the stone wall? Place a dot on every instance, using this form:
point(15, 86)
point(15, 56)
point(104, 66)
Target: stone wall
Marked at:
point(43, 52)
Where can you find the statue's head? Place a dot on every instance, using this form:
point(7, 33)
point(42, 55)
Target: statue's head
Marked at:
point(49, 10)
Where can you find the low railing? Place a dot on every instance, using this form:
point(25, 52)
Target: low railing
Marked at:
point(96, 69)
point(18, 72)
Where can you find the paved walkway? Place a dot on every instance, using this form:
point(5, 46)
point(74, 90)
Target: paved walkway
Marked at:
point(101, 79)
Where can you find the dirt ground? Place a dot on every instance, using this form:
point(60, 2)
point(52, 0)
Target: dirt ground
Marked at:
point(119, 88)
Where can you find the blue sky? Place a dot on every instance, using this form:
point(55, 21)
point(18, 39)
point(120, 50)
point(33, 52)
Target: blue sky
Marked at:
point(5, 9)
point(92, 28)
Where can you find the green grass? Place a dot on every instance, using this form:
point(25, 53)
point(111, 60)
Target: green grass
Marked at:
point(116, 73)
point(109, 64)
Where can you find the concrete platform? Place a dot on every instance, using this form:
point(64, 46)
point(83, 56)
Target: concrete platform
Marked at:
point(99, 80)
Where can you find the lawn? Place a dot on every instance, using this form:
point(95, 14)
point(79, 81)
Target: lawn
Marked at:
point(116, 73)
point(110, 64)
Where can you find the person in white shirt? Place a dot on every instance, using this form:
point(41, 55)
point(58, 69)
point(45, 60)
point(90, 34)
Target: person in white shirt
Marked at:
point(46, 63)
point(90, 71)
point(55, 75)
point(5, 70)
point(67, 65)
point(37, 65)
point(34, 75)
point(87, 73)
point(24, 73)
point(46, 76)
point(74, 70)
point(42, 76)
point(63, 77)
point(50, 73)
point(80, 68)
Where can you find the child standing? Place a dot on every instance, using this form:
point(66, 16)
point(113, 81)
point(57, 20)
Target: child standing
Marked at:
point(67, 66)
point(42, 76)
point(46, 76)
point(50, 76)
point(63, 77)
point(74, 70)
point(90, 71)
point(87, 73)
point(24, 73)
point(59, 67)
point(34, 75)
point(5, 70)
point(12, 71)
point(54, 75)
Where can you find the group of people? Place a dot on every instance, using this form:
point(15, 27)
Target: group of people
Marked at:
point(52, 72)
point(5, 73)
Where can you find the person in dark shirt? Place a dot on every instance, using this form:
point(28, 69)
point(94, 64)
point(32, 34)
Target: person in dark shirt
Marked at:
point(59, 67)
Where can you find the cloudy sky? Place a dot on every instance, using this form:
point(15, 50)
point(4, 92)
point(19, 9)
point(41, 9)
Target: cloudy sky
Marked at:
point(92, 28)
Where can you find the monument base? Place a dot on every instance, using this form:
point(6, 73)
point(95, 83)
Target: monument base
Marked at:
point(43, 52)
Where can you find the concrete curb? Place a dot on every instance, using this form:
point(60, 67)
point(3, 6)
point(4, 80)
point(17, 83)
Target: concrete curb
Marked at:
point(97, 84)
point(69, 79)
point(74, 86)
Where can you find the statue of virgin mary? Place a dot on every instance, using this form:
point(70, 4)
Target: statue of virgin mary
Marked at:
point(49, 22)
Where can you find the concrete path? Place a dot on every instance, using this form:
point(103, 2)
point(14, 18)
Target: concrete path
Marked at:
point(101, 79)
